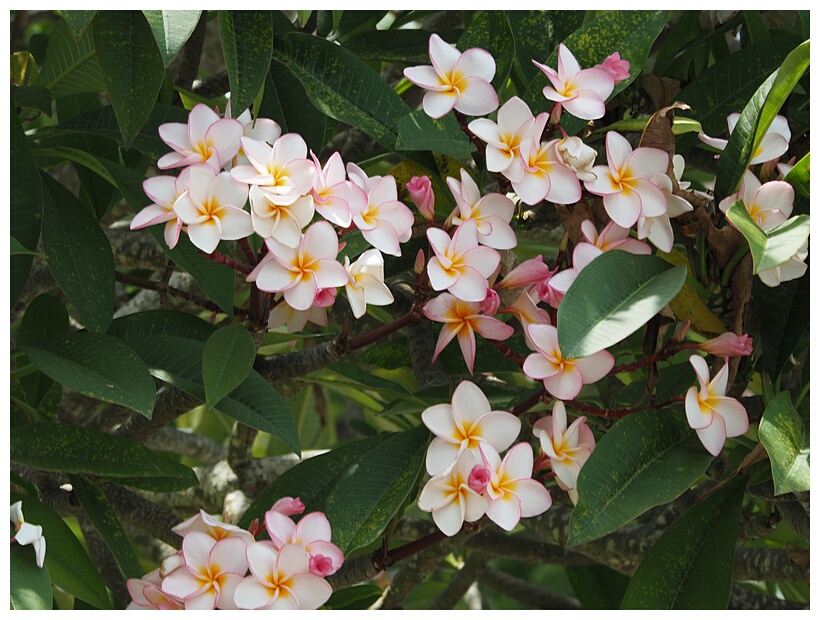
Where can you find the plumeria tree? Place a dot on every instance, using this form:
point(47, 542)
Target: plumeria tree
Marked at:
point(409, 309)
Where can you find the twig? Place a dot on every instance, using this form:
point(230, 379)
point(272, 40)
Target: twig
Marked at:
point(524, 591)
point(461, 582)
point(151, 285)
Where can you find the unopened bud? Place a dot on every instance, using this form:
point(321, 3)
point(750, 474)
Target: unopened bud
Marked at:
point(615, 67)
point(289, 506)
point(491, 302)
point(728, 344)
point(422, 195)
point(418, 266)
point(321, 565)
point(479, 478)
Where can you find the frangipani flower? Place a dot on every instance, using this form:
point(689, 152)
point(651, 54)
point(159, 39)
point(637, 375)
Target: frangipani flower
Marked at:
point(612, 237)
point(515, 121)
point(280, 580)
point(617, 68)
point(567, 448)
point(421, 193)
point(728, 344)
point(460, 265)
point(284, 314)
point(581, 92)
point(465, 425)
point(261, 129)
point(277, 218)
point(282, 169)
point(527, 313)
point(463, 319)
point(712, 414)
point(792, 269)
point(147, 593)
point(456, 80)
point(334, 197)
point(562, 377)
point(769, 204)
point(313, 533)
point(491, 213)
point(772, 146)
point(511, 492)
point(449, 497)
point(28, 533)
point(658, 229)
point(216, 529)
point(366, 284)
point(300, 272)
point(212, 208)
point(289, 506)
point(626, 181)
point(575, 154)
point(164, 191)
point(206, 138)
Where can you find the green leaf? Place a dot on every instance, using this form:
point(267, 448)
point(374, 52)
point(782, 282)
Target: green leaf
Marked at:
point(342, 86)
point(78, 450)
point(171, 30)
point(773, 247)
point(131, 65)
point(247, 42)
point(419, 132)
point(491, 32)
point(79, 255)
point(354, 597)
point(78, 21)
point(784, 310)
point(303, 17)
point(96, 507)
point(401, 46)
point(170, 323)
point(537, 32)
point(612, 297)
point(597, 587)
point(98, 366)
point(36, 97)
point(226, 362)
point(800, 177)
point(70, 67)
point(691, 564)
point(67, 562)
point(30, 585)
point(783, 435)
point(647, 459)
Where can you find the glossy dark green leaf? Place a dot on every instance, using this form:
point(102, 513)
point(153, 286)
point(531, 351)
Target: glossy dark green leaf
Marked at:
point(772, 247)
point(30, 585)
point(79, 256)
point(36, 97)
point(355, 597)
point(690, 566)
point(171, 323)
point(784, 310)
point(408, 47)
point(98, 366)
point(171, 30)
point(67, 561)
point(342, 86)
point(800, 176)
point(70, 66)
point(419, 132)
point(78, 21)
point(787, 442)
point(17, 249)
point(612, 297)
point(226, 362)
point(597, 587)
point(78, 450)
point(536, 34)
point(647, 459)
point(131, 65)
point(247, 43)
point(96, 507)
point(490, 31)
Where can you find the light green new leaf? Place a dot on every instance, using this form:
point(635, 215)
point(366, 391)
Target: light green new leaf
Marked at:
point(785, 439)
point(227, 360)
point(67, 562)
point(96, 507)
point(247, 42)
point(98, 366)
point(131, 66)
point(800, 176)
point(647, 459)
point(78, 450)
point(691, 564)
point(774, 247)
point(78, 21)
point(70, 66)
point(419, 132)
point(171, 30)
point(30, 585)
point(613, 296)
point(491, 31)
point(79, 255)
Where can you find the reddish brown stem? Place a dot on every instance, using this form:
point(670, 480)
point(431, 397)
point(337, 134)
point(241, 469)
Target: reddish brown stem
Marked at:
point(509, 353)
point(620, 413)
point(525, 405)
point(405, 551)
point(380, 332)
point(228, 261)
point(660, 356)
point(248, 250)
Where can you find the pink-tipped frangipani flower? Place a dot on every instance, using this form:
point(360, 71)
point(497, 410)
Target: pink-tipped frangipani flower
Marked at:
point(581, 158)
point(280, 580)
point(792, 269)
point(385, 221)
point(463, 319)
point(456, 80)
point(313, 533)
point(300, 272)
point(563, 377)
point(295, 320)
point(213, 527)
point(282, 169)
point(613, 237)
point(450, 498)
point(581, 92)
point(206, 138)
point(334, 197)
point(261, 129)
point(164, 191)
point(288, 506)
point(511, 492)
point(626, 181)
point(712, 414)
point(492, 213)
point(212, 209)
point(147, 593)
point(28, 533)
point(515, 122)
point(728, 345)
point(527, 313)
point(568, 448)
point(366, 284)
point(769, 204)
point(460, 265)
point(212, 571)
point(280, 218)
point(464, 425)
point(617, 68)
point(529, 273)
point(659, 229)
point(422, 195)
point(772, 146)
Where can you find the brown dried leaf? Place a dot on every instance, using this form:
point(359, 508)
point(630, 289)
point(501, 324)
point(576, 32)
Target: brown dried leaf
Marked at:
point(660, 89)
point(658, 134)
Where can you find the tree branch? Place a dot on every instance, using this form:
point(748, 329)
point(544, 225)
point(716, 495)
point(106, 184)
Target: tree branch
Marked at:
point(168, 406)
point(524, 591)
point(461, 582)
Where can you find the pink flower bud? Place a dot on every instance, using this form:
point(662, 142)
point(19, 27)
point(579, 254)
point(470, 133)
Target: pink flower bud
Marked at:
point(614, 66)
point(418, 266)
point(421, 193)
point(491, 302)
point(324, 298)
point(321, 565)
point(289, 506)
point(728, 344)
point(479, 477)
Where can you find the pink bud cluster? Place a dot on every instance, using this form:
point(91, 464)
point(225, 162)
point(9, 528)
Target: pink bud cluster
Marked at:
point(222, 566)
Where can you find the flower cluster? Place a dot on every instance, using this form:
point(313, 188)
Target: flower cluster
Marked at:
point(222, 566)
